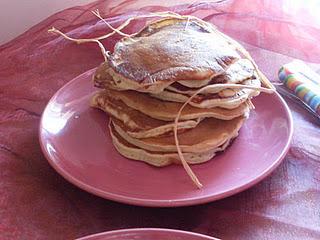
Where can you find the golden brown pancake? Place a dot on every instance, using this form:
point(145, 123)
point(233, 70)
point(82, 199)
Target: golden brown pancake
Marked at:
point(209, 134)
point(167, 111)
point(168, 51)
point(235, 73)
point(103, 79)
point(160, 159)
point(214, 99)
point(138, 125)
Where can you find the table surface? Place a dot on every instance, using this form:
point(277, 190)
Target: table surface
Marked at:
point(37, 203)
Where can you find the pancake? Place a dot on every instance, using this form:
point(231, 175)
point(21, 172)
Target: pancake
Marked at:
point(193, 53)
point(235, 73)
point(160, 159)
point(178, 88)
point(210, 100)
point(103, 79)
point(209, 134)
point(167, 111)
point(138, 125)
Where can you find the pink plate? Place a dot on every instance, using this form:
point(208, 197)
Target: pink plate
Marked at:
point(76, 142)
point(147, 233)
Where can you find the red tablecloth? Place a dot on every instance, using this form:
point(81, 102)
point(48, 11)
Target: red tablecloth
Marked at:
point(37, 203)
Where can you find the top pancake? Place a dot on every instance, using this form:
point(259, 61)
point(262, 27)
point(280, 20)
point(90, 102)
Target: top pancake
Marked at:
point(171, 50)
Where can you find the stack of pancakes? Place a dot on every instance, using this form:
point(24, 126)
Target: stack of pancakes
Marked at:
point(150, 75)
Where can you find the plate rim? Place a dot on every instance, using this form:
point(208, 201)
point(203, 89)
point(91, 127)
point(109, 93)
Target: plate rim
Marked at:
point(129, 230)
point(190, 201)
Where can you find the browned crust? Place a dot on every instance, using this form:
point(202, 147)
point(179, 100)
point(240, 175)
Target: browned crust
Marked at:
point(167, 50)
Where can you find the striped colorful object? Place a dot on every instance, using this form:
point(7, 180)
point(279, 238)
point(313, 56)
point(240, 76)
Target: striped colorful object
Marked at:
point(303, 82)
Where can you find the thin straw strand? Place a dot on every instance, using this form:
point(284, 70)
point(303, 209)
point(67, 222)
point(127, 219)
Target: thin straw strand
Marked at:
point(97, 14)
point(81, 40)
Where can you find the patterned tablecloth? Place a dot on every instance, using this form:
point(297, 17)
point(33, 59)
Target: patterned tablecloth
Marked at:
point(37, 203)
